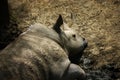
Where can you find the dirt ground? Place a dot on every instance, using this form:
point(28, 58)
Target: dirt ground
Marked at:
point(96, 20)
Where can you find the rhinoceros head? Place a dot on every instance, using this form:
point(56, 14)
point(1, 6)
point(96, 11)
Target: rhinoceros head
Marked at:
point(71, 41)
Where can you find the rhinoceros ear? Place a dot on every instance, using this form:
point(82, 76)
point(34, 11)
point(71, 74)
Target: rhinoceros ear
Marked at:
point(58, 24)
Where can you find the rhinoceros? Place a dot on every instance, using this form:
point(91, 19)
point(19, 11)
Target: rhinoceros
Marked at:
point(43, 53)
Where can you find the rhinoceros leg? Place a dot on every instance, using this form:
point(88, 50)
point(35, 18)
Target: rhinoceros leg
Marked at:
point(74, 72)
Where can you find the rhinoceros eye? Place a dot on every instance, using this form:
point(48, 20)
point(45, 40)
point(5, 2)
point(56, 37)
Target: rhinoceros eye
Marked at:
point(74, 36)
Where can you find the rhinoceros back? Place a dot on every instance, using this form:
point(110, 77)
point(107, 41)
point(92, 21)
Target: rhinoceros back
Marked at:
point(33, 56)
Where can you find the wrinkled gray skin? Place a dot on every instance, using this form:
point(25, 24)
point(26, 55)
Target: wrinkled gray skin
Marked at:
point(43, 54)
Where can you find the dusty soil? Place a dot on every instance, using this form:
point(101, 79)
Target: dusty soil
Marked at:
point(96, 20)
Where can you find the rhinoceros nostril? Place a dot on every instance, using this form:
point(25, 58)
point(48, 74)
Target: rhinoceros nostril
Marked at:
point(83, 39)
